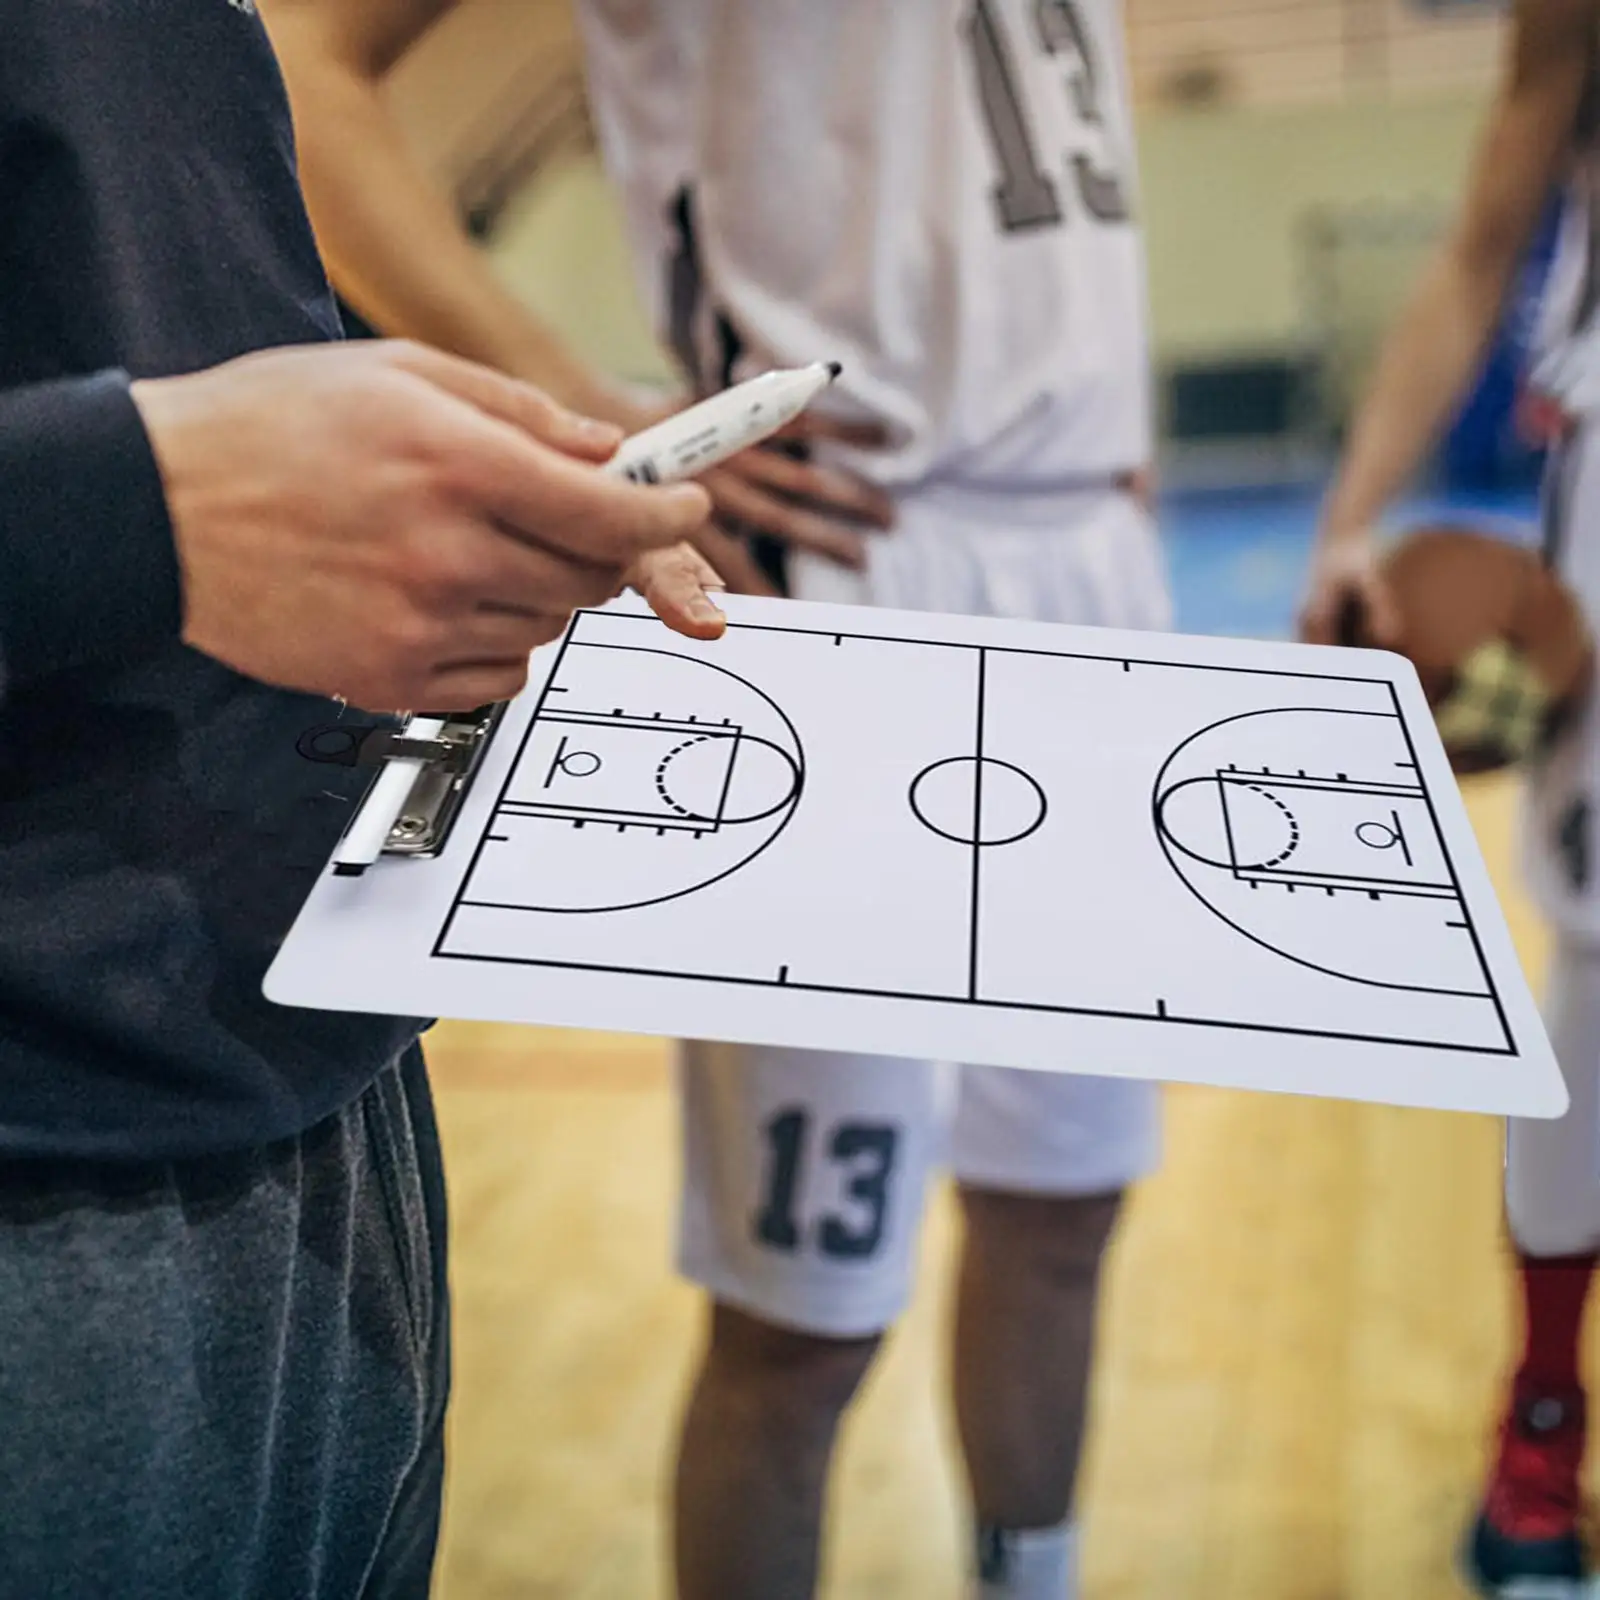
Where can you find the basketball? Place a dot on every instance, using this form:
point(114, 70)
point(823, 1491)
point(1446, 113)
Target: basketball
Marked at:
point(1499, 643)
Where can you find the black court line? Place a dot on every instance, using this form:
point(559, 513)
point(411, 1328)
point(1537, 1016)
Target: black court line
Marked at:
point(1268, 780)
point(977, 843)
point(727, 776)
point(1450, 866)
point(1168, 844)
point(1364, 880)
point(969, 997)
point(511, 773)
point(1400, 834)
point(1381, 887)
point(560, 811)
point(696, 828)
point(1227, 824)
point(555, 764)
point(745, 981)
point(620, 719)
point(1016, 650)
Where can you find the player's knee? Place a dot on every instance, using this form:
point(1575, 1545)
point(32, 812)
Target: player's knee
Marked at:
point(1058, 1237)
point(789, 1375)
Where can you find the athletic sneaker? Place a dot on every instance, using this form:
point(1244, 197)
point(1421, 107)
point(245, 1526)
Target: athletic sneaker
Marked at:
point(1525, 1544)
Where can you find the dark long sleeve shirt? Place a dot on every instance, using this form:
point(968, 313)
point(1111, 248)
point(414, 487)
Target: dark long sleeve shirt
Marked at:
point(158, 830)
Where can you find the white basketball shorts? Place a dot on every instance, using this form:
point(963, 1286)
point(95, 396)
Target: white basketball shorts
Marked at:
point(805, 1171)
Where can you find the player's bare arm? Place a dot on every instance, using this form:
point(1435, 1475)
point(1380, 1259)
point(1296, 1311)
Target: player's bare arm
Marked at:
point(393, 244)
point(396, 250)
point(1433, 351)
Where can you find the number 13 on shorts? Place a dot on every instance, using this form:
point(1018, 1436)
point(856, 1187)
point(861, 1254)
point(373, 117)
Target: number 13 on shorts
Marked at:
point(804, 1180)
point(863, 1152)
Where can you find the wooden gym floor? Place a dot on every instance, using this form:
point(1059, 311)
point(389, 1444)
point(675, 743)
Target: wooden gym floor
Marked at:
point(1306, 1316)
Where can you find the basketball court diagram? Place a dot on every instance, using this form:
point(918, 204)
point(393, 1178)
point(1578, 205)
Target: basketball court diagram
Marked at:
point(1029, 845)
point(650, 775)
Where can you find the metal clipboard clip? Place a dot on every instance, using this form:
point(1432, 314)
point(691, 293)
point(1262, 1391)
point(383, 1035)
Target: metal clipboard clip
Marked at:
point(449, 760)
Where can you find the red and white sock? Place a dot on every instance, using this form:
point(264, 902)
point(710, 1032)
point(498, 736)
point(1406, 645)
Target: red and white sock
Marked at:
point(1533, 1493)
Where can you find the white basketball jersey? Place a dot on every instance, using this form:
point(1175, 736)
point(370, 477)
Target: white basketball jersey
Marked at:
point(936, 193)
point(1559, 817)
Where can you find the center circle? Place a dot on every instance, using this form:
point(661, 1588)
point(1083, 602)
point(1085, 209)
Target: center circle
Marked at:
point(969, 800)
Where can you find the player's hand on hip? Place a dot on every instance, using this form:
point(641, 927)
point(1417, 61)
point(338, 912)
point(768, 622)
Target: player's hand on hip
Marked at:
point(389, 524)
point(678, 585)
point(775, 490)
point(800, 503)
point(1347, 586)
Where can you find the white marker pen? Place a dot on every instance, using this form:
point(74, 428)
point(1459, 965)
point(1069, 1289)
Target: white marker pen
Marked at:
point(690, 441)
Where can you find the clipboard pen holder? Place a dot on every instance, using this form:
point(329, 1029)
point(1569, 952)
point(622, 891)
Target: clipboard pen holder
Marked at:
point(448, 760)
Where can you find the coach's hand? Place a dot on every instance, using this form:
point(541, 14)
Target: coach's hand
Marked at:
point(1346, 576)
point(391, 525)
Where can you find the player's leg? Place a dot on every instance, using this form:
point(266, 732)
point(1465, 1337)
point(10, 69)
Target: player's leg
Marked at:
point(804, 1177)
point(1528, 1525)
point(1042, 1161)
point(1527, 1528)
point(753, 1456)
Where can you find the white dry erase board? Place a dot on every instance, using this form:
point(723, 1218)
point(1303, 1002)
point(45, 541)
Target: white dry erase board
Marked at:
point(1073, 849)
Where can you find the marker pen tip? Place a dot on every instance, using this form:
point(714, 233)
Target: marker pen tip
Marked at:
point(834, 369)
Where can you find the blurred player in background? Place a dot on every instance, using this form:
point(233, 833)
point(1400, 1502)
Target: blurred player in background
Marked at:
point(1541, 131)
point(940, 197)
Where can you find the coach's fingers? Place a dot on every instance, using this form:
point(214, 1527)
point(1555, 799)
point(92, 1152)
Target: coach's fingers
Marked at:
point(549, 500)
point(507, 399)
point(678, 584)
point(830, 491)
point(520, 579)
point(765, 512)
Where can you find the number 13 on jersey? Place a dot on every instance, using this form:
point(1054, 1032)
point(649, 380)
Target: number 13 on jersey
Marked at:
point(1026, 196)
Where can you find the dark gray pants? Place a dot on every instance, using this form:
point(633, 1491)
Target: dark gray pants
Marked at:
point(226, 1379)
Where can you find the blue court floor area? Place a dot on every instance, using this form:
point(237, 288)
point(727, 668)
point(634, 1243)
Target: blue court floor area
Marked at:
point(1238, 557)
